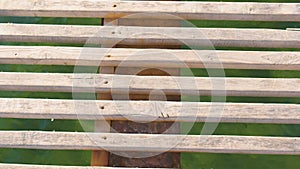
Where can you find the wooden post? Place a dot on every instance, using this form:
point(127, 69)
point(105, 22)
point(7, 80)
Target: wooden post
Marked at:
point(101, 158)
point(167, 159)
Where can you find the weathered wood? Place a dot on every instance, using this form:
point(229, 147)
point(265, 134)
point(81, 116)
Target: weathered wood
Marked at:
point(186, 10)
point(150, 142)
point(122, 84)
point(144, 30)
point(101, 158)
point(26, 166)
point(142, 111)
point(153, 58)
point(131, 35)
point(166, 159)
point(293, 29)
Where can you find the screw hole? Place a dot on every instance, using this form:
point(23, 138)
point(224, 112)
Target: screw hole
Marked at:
point(108, 56)
point(106, 82)
point(16, 54)
point(104, 138)
point(113, 32)
point(114, 5)
point(102, 107)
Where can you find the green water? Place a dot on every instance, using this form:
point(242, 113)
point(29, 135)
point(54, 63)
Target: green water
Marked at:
point(42, 156)
point(189, 160)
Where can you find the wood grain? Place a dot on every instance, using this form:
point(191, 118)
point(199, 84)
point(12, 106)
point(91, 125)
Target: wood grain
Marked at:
point(185, 10)
point(167, 159)
point(131, 35)
point(152, 58)
point(150, 142)
point(143, 111)
point(125, 84)
point(101, 158)
point(26, 166)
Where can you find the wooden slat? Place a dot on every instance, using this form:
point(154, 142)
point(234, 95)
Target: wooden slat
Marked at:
point(130, 35)
point(153, 58)
point(26, 166)
point(150, 142)
point(122, 84)
point(293, 29)
point(172, 111)
point(186, 10)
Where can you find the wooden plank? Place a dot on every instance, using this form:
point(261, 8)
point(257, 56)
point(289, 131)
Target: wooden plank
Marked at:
point(172, 111)
point(153, 58)
point(122, 84)
point(150, 142)
point(293, 29)
point(151, 35)
point(186, 10)
point(26, 166)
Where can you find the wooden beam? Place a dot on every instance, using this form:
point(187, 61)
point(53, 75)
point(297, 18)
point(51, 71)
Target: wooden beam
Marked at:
point(185, 10)
point(165, 159)
point(173, 111)
point(26, 166)
point(105, 83)
point(132, 35)
point(150, 142)
point(101, 158)
point(152, 58)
